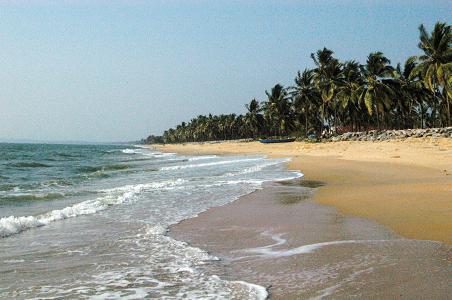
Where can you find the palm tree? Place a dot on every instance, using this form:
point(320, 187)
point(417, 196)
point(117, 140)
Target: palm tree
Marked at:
point(348, 91)
point(277, 110)
point(415, 94)
point(253, 118)
point(327, 72)
point(436, 63)
point(375, 92)
point(411, 94)
point(306, 96)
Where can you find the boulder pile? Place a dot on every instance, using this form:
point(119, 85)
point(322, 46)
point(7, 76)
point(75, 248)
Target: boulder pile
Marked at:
point(384, 135)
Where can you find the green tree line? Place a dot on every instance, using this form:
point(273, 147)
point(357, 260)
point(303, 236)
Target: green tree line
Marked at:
point(338, 96)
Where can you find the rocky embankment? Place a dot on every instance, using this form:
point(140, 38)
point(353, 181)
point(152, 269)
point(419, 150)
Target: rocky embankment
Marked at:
point(384, 135)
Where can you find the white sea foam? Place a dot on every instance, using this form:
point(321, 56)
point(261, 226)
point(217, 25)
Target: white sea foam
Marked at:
point(130, 151)
point(215, 163)
point(259, 167)
point(147, 262)
point(12, 225)
point(146, 152)
point(161, 154)
point(14, 261)
point(202, 157)
point(157, 229)
point(179, 266)
point(295, 175)
point(257, 292)
point(255, 183)
point(268, 251)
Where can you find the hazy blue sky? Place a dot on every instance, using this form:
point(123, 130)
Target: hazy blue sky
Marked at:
point(119, 70)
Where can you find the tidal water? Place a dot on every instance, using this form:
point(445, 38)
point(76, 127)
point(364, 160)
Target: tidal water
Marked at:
point(90, 221)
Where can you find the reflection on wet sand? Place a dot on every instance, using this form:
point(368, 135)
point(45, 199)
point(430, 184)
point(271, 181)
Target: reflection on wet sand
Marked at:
point(279, 238)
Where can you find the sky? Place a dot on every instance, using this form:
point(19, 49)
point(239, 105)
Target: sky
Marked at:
point(102, 71)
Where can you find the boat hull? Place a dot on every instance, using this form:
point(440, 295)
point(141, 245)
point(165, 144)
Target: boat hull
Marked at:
point(272, 141)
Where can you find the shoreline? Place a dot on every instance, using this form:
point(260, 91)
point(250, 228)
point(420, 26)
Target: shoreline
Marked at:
point(403, 185)
point(277, 237)
point(285, 238)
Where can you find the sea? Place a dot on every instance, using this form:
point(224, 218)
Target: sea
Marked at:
point(92, 221)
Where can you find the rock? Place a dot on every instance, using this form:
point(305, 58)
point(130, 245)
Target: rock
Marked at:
point(375, 135)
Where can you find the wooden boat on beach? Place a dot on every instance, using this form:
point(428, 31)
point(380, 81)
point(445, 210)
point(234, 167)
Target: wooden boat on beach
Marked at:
point(270, 141)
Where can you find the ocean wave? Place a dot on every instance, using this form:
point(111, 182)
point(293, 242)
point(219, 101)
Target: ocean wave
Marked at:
point(7, 187)
point(215, 163)
point(159, 155)
point(13, 225)
point(28, 197)
point(56, 183)
point(131, 151)
point(259, 167)
point(34, 185)
point(137, 159)
point(29, 165)
point(177, 261)
point(180, 200)
point(202, 157)
point(256, 183)
point(92, 169)
point(183, 267)
point(66, 154)
point(146, 153)
point(94, 175)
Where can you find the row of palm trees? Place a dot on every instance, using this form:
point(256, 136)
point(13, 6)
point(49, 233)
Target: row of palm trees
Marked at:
point(338, 96)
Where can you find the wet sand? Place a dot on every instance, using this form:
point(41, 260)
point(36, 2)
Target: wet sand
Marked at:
point(404, 185)
point(368, 220)
point(280, 238)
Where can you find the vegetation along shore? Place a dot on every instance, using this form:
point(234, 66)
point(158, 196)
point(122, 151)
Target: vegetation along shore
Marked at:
point(337, 97)
point(402, 182)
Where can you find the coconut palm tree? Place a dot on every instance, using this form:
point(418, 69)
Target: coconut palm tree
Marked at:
point(277, 110)
point(411, 94)
point(436, 63)
point(306, 97)
point(348, 88)
point(376, 94)
point(327, 72)
point(415, 94)
point(253, 119)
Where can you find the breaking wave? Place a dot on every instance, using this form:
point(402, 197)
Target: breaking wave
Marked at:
point(92, 169)
point(215, 163)
point(12, 225)
point(27, 197)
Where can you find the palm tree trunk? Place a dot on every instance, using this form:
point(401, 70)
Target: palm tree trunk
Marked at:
point(335, 119)
point(378, 119)
point(448, 111)
point(422, 117)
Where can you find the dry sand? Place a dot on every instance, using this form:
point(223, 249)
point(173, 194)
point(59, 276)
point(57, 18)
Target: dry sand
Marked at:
point(404, 185)
point(282, 238)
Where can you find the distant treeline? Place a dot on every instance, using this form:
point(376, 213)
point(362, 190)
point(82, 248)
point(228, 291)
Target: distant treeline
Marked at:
point(153, 139)
point(336, 97)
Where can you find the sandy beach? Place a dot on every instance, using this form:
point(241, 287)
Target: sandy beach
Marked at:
point(367, 220)
point(405, 185)
point(278, 237)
